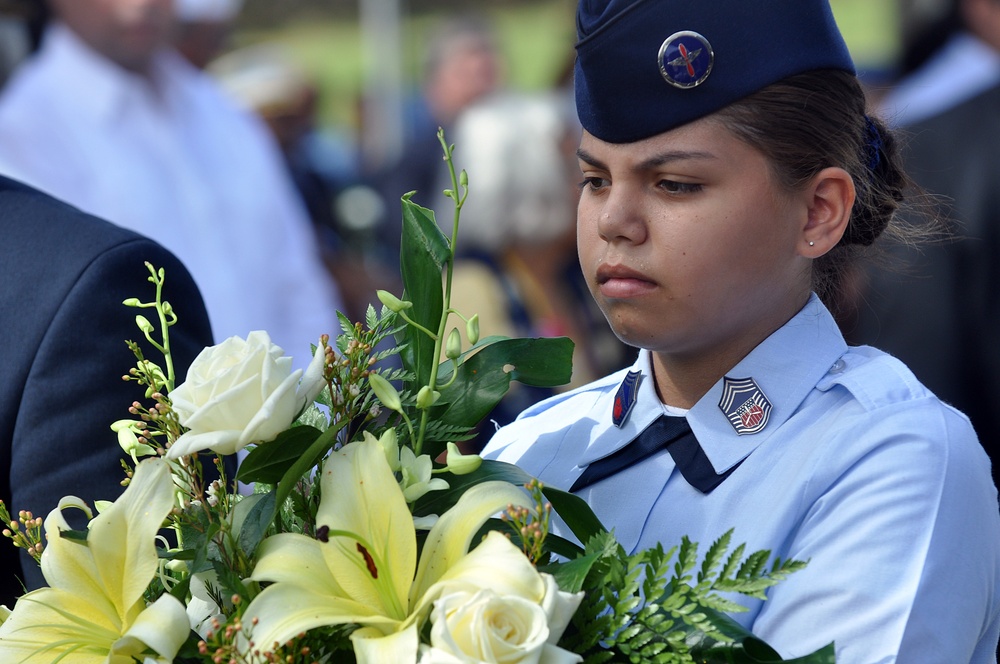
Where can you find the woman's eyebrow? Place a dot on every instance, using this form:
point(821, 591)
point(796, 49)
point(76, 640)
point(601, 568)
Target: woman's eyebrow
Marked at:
point(650, 163)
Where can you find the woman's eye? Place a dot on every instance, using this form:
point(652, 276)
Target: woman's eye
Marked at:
point(674, 187)
point(593, 183)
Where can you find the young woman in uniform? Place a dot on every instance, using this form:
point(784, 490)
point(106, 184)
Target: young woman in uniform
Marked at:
point(731, 175)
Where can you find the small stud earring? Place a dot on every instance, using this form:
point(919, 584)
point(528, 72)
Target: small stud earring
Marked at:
point(811, 243)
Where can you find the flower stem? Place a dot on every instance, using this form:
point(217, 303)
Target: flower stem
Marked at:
point(459, 198)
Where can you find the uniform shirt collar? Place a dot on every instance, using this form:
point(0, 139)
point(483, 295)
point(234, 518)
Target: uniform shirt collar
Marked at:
point(786, 366)
point(99, 87)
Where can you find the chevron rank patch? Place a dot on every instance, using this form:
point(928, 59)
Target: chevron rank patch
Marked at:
point(744, 405)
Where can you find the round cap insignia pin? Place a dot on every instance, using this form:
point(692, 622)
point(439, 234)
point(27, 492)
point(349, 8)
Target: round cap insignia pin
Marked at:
point(686, 59)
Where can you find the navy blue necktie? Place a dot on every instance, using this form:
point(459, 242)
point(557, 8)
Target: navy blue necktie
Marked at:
point(676, 436)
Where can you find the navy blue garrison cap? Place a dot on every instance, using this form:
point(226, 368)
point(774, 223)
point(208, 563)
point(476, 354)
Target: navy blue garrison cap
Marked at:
point(646, 66)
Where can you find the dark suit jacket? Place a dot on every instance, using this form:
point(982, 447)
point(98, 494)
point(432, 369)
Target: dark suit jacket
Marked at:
point(940, 313)
point(63, 276)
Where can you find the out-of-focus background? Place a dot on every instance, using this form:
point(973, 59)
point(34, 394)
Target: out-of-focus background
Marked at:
point(343, 44)
point(376, 49)
point(367, 57)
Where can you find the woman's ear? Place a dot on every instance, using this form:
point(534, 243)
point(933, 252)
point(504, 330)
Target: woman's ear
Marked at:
point(829, 198)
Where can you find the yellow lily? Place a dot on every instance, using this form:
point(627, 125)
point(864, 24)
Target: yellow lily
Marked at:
point(362, 568)
point(94, 611)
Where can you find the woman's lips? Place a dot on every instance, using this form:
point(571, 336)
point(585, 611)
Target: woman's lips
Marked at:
point(620, 282)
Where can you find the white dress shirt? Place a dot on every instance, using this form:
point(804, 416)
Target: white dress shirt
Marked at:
point(859, 470)
point(174, 159)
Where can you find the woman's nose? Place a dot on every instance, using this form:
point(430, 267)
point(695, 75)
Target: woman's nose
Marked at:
point(621, 218)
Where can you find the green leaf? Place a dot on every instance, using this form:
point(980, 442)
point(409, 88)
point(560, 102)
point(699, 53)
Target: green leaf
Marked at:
point(268, 463)
point(424, 253)
point(229, 580)
point(181, 588)
point(178, 554)
point(305, 463)
point(576, 513)
point(197, 535)
point(562, 547)
point(714, 556)
point(571, 575)
point(77, 536)
point(252, 516)
point(485, 374)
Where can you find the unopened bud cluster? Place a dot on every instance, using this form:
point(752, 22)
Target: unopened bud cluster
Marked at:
point(531, 524)
point(231, 643)
point(220, 642)
point(25, 531)
point(347, 370)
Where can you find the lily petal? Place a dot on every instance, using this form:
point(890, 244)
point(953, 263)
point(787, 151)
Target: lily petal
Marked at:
point(120, 555)
point(163, 626)
point(122, 539)
point(373, 647)
point(361, 497)
point(296, 559)
point(451, 536)
point(49, 616)
point(285, 610)
point(96, 589)
point(497, 565)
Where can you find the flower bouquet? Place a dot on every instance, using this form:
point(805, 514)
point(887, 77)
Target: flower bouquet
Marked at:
point(368, 535)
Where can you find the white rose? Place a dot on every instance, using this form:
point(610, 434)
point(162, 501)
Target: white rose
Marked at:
point(486, 627)
point(241, 392)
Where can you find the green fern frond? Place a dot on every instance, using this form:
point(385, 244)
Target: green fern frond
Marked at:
point(714, 556)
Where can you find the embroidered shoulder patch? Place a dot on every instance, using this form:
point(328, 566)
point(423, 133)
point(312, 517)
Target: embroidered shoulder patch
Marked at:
point(625, 398)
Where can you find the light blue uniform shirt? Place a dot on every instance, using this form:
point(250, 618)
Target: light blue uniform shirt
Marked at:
point(860, 470)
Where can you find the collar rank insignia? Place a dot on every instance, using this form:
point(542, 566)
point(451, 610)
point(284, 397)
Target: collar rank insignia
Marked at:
point(685, 59)
point(744, 405)
point(625, 398)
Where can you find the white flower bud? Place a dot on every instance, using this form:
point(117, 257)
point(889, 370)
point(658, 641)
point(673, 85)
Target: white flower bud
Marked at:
point(453, 349)
point(462, 464)
point(385, 392)
point(144, 324)
point(426, 397)
point(391, 302)
point(472, 329)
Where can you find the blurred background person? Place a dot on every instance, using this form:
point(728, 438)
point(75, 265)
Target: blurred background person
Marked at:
point(462, 64)
point(203, 28)
point(938, 309)
point(516, 265)
point(322, 162)
point(107, 116)
point(951, 57)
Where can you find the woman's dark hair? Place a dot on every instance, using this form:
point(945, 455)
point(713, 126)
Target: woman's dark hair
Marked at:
point(815, 120)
